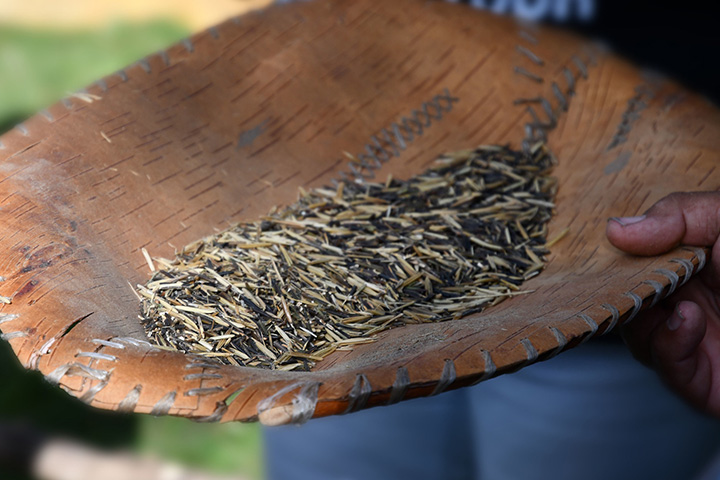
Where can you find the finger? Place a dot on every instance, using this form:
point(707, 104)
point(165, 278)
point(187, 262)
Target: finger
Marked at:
point(680, 218)
point(677, 353)
point(637, 334)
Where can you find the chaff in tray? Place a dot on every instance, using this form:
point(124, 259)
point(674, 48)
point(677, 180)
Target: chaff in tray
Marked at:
point(342, 264)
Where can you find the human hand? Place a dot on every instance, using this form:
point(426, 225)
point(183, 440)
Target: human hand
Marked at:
point(680, 337)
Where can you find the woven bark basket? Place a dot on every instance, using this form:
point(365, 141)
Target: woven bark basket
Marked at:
point(223, 126)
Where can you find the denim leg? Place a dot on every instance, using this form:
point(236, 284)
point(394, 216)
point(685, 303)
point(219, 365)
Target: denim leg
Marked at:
point(590, 413)
point(426, 438)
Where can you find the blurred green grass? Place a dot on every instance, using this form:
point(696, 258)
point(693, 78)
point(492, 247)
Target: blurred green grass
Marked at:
point(37, 68)
point(221, 448)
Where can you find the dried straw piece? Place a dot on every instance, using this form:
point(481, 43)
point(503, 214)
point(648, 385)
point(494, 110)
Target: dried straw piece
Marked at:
point(341, 265)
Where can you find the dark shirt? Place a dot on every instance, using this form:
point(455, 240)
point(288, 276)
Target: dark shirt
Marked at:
point(681, 40)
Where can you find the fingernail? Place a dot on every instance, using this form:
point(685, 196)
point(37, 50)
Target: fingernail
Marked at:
point(625, 221)
point(675, 319)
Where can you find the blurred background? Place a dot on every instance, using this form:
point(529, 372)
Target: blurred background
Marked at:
point(49, 49)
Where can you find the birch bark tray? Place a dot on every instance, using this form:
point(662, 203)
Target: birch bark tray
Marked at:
point(230, 122)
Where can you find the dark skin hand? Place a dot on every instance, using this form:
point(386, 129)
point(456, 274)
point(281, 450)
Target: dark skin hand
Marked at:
point(680, 337)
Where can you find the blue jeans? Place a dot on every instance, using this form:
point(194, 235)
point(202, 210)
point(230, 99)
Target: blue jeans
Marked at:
point(590, 413)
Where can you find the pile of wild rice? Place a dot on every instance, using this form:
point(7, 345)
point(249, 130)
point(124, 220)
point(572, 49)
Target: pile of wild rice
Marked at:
point(342, 264)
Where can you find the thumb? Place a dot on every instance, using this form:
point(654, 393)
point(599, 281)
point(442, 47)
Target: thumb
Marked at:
point(680, 218)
